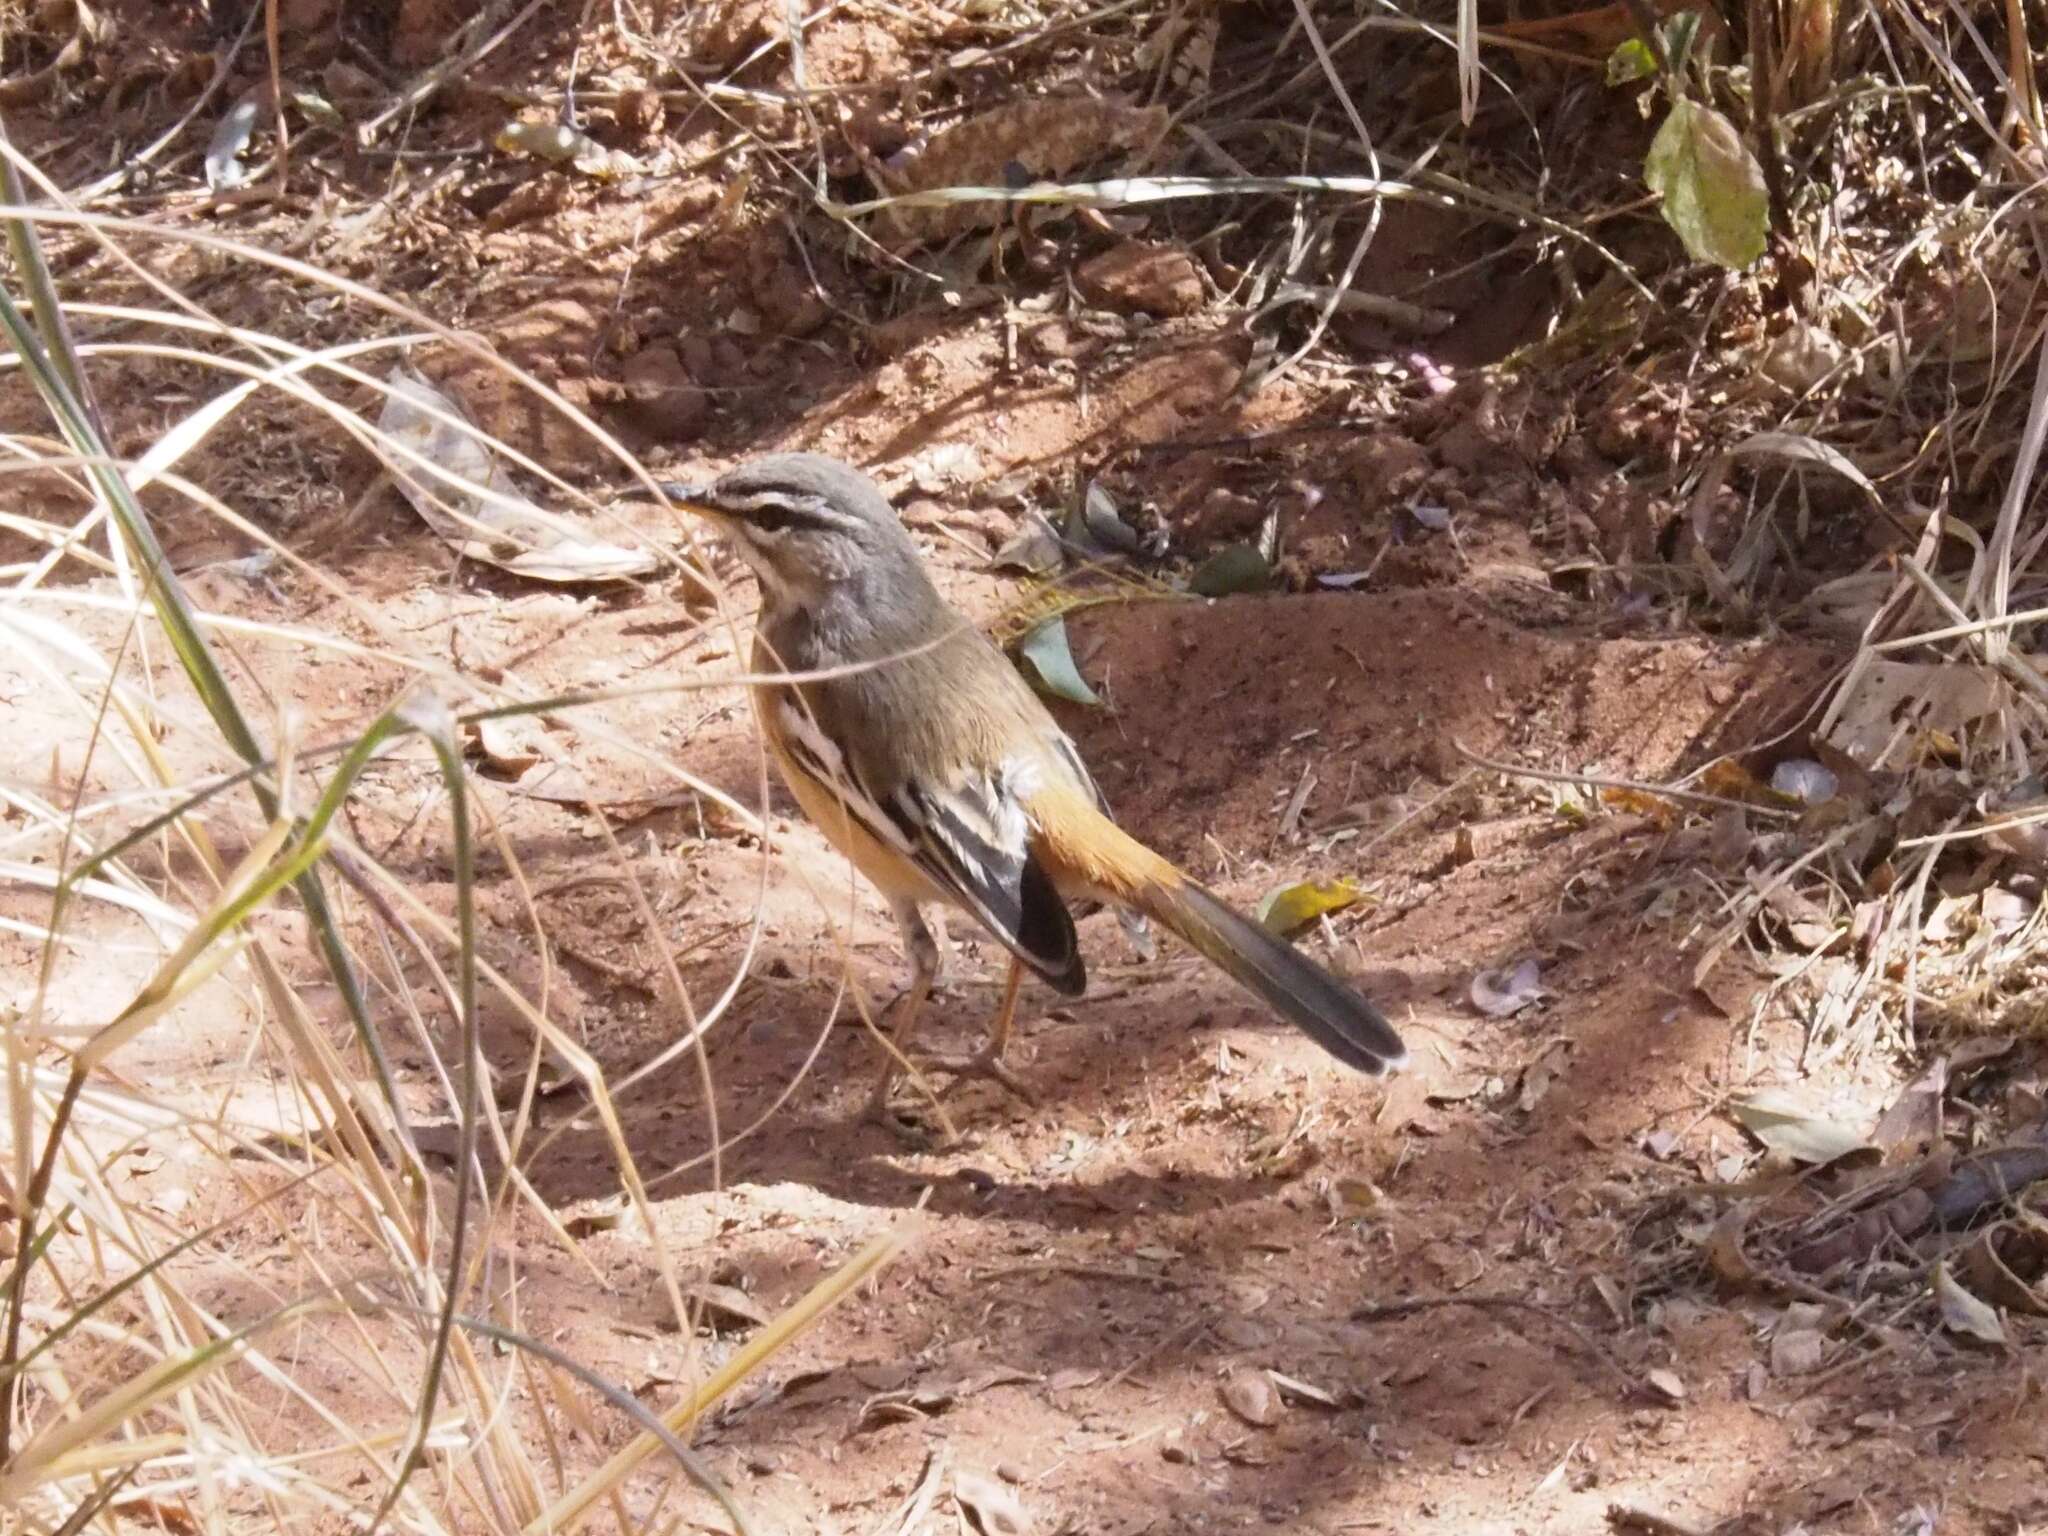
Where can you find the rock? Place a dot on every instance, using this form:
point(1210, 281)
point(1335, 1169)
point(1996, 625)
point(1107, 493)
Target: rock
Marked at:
point(698, 358)
point(1386, 468)
point(423, 29)
point(641, 114)
point(302, 16)
point(1060, 340)
point(738, 30)
point(1152, 279)
point(1251, 1395)
point(1225, 514)
point(1478, 441)
point(660, 396)
point(786, 297)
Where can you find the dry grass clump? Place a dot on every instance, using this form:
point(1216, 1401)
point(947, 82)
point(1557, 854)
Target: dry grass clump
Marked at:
point(257, 1296)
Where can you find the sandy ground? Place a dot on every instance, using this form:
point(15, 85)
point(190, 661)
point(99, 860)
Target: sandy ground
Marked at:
point(1467, 1279)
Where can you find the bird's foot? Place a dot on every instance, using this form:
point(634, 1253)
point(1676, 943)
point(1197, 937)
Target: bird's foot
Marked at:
point(986, 1063)
point(919, 1123)
point(942, 990)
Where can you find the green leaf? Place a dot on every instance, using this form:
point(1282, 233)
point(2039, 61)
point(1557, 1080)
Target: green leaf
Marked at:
point(1631, 61)
point(1288, 907)
point(1236, 568)
point(1679, 33)
point(1045, 647)
point(1712, 187)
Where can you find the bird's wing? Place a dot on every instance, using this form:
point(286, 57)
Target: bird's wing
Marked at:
point(968, 833)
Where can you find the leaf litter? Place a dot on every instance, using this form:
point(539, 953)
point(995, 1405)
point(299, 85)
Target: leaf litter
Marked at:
point(450, 475)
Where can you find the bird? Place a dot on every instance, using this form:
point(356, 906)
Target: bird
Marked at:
point(920, 752)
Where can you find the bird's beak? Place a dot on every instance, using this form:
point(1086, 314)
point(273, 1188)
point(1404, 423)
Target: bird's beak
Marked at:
point(694, 498)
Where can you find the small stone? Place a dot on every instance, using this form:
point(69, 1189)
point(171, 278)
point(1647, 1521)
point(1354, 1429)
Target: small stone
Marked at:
point(1801, 357)
point(421, 33)
point(1151, 279)
point(660, 396)
point(641, 113)
point(1251, 1395)
point(787, 299)
point(1665, 1384)
point(1010, 1472)
point(1797, 1351)
point(699, 360)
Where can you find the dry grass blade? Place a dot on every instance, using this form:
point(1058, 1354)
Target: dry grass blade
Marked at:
point(163, 869)
point(563, 1515)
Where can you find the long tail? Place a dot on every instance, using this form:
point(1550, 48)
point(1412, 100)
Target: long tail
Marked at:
point(1279, 975)
point(1113, 864)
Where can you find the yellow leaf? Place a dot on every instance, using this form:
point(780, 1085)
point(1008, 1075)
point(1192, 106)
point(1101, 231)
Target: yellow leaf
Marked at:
point(1295, 906)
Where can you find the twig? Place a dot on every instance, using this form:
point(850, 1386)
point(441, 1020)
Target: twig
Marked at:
point(1081, 1272)
point(1387, 1311)
point(1639, 786)
point(1626, 1517)
point(909, 1516)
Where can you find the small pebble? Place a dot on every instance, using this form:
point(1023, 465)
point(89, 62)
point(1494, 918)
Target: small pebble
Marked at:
point(1009, 1472)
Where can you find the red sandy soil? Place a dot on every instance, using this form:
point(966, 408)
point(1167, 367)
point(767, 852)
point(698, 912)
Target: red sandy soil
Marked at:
point(1198, 1191)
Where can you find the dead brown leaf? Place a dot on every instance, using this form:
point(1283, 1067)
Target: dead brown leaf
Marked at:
point(1251, 1395)
point(994, 1507)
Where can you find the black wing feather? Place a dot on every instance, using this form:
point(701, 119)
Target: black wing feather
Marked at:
point(1001, 884)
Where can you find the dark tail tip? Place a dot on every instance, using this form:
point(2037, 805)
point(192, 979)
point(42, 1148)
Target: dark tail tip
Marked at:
point(1288, 981)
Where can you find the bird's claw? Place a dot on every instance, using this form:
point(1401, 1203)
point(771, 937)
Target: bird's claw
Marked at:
point(984, 1064)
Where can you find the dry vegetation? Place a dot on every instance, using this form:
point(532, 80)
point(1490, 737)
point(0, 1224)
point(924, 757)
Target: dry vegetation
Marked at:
point(424, 1107)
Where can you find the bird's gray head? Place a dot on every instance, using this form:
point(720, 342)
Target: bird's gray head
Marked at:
point(805, 523)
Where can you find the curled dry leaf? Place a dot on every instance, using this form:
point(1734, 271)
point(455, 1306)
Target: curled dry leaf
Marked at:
point(1947, 697)
point(1034, 549)
point(224, 167)
point(1098, 524)
point(1778, 1120)
point(510, 744)
point(1294, 1390)
point(1798, 448)
point(1992, 1262)
point(455, 483)
point(1342, 581)
point(1963, 1313)
point(1252, 1396)
point(1052, 662)
point(1665, 1384)
point(1804, 780)
point(994, 1507)
point(725, 1306)
point(1636, 802)
point(1915, 1115)
point(1509, 990)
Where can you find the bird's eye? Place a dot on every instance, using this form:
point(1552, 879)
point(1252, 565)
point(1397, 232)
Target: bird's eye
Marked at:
point(771, 516)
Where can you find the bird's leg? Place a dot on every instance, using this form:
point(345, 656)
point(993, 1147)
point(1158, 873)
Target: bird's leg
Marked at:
point(938, 983)
point(988, 1062)
point(923, 951)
